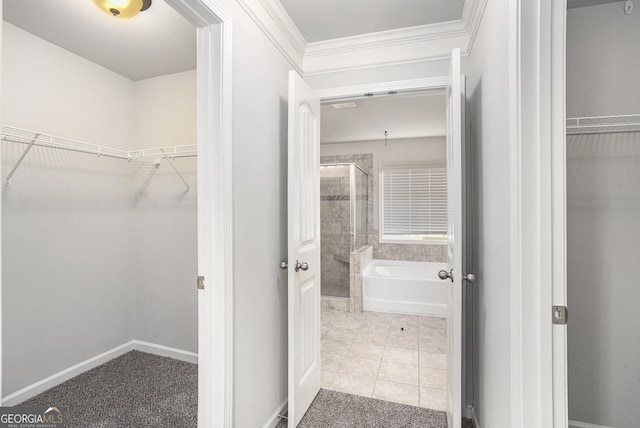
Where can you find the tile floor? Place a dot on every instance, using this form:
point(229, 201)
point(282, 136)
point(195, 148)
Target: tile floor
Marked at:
point(399, 358)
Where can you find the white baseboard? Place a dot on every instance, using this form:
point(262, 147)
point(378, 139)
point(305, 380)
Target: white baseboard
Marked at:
point(576, 424)
point(84, 366)
point(64, 375)
point(165, 351)
point(275, 418)
point(473, 416)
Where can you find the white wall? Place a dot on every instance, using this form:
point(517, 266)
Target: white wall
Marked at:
point(67, 278)
point(260, 87)
point(489, 120)
point(165, 109)
point(602, 228)
point(602, 65)
point(390, 73)
point(51, 90)
point(164, 215)
point(410, 150)
point(87, 265)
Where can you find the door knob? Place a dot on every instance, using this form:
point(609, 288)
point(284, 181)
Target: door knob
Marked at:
point(443, 274)
point(301, 266)
point(469, 277)
point(284, 265)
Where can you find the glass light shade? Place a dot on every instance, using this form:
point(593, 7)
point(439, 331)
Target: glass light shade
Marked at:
point(120, 8)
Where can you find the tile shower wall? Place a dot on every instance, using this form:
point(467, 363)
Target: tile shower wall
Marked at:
point(408, 252)
point(335, 231)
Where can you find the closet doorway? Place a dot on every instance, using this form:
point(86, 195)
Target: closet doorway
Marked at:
point(103, 240)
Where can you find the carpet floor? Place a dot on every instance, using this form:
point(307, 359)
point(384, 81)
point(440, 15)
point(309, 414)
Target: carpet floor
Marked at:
point(332, 409)
point(134, 390)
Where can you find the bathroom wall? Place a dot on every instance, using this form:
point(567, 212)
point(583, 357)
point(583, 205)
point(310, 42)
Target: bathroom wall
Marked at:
point(369, 154)
point(603, 202)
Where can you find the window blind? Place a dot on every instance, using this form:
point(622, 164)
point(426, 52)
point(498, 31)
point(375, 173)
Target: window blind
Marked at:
point(414, 200)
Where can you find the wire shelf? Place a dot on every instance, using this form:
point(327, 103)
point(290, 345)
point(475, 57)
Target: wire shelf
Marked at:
point(152, 155)
point(603, 124)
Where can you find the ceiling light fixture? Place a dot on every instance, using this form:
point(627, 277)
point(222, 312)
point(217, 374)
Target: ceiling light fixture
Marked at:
point(123, 8)
point(340, 106)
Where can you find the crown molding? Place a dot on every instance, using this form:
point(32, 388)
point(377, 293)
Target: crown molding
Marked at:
point(400, 36)
point(276, 24)
point(431, 42)
point(472, 13)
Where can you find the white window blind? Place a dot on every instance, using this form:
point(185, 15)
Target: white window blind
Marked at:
point(414, 202)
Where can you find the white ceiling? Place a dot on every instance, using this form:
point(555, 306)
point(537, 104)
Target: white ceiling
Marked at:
point(331, 19)
point(158, 41)
point(582, 3)
point(404, 116)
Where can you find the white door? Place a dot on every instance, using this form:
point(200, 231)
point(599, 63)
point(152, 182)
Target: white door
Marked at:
point(456, 250)
point(304, 247)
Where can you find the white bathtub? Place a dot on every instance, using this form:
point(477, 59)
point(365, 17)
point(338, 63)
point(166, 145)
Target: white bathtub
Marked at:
point(405, 287)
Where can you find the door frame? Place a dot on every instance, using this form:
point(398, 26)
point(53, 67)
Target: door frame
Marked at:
point(430, 83)
point(215, 236)
point(215, 209)
point(537, 30)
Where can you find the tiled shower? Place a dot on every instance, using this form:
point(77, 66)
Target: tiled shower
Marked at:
point(343, 222)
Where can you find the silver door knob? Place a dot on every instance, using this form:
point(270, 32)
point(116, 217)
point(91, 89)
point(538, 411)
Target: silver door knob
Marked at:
point(284, 265)
point(443, 274)
point(301, 266)
point(469, 277)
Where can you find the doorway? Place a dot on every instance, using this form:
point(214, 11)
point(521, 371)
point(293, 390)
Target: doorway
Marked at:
point(304, 236)
point(383, 230)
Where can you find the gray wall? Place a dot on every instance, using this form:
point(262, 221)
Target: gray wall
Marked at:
point(602, 65)
point(489, 121)
point(603, 201)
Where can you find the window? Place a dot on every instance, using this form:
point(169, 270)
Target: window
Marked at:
point(413, 203)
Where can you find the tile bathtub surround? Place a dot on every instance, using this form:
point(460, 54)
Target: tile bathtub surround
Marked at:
point(398, 358)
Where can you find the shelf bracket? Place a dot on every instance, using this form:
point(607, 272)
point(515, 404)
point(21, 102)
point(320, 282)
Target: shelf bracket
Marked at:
point(176, 170)
point(7, 180)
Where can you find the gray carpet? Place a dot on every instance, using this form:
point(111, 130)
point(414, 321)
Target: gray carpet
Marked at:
point(332, 409)
point(134, 390)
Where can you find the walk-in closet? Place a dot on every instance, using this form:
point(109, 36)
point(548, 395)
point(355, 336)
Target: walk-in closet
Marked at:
point(603, 202)
point(99, 226)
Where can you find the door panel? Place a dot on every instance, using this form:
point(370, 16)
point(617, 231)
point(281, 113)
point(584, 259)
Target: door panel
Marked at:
point(304, 247)
point(456, 239)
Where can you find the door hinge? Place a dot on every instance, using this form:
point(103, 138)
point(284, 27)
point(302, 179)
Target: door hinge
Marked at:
point(201, 283)
point(559, 315)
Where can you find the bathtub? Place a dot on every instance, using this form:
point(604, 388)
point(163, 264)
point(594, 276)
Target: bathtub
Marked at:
point(405, 287)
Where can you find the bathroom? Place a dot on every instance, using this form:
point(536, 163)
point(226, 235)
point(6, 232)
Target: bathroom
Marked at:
point(383, 204)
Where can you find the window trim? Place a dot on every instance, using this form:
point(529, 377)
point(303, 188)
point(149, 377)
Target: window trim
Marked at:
point(404, 164)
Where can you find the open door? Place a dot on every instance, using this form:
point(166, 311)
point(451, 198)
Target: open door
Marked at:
point(304, 247)
point(456, 237)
